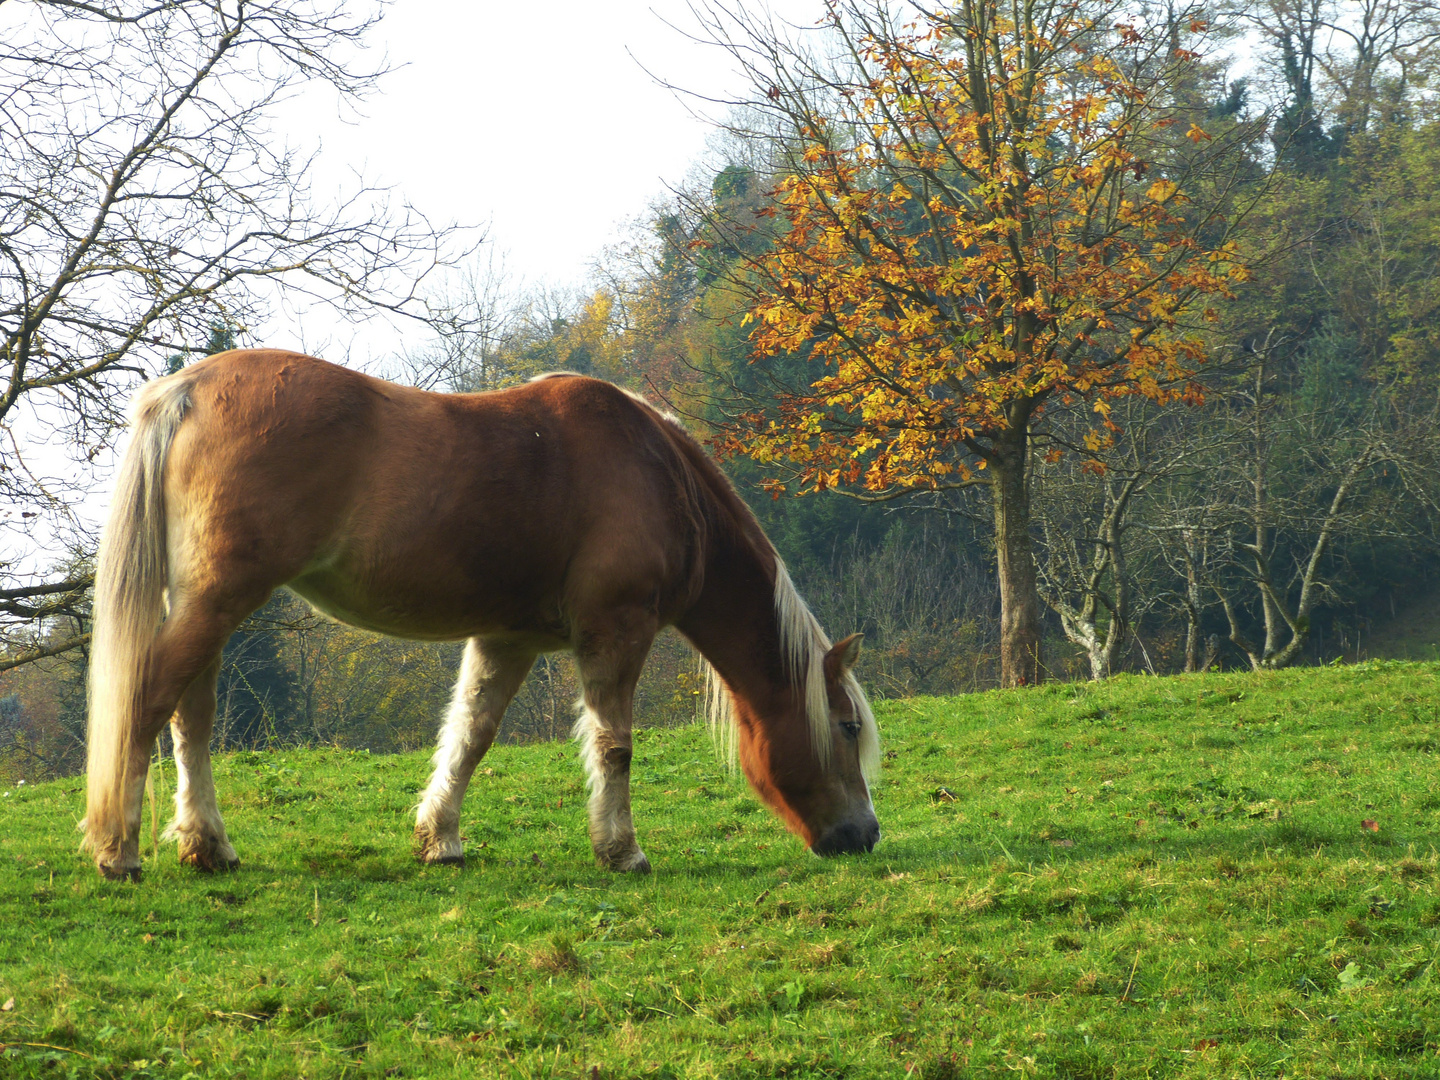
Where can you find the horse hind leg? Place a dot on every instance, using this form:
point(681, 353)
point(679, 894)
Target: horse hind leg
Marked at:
point(610, 666)
point(185, 650)
point(490, 674)
point(197, 827)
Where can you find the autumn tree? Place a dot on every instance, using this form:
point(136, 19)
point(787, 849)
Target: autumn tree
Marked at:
point(990, 215)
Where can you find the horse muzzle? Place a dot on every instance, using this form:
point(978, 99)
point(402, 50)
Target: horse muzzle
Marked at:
point(849, 837)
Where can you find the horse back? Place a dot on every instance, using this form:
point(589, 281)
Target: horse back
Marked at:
point(434, 515)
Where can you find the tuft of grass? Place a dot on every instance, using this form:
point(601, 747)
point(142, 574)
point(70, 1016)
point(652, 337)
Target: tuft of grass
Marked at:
point(1151, 877)
point(558, 957)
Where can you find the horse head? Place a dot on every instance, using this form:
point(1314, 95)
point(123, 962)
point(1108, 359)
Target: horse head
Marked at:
point(810, 761)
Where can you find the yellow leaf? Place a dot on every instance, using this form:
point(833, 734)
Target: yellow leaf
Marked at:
point(1161, 190)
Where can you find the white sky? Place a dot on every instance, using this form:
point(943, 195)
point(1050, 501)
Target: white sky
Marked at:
point(538, 122)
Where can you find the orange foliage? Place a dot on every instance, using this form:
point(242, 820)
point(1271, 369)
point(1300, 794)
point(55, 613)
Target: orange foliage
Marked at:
point(988, 231)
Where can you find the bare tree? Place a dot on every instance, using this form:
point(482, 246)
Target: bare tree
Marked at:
point(1378, 53)
point(1086, 503)
point(1350, 58)
point(145, 200)
point(475, 320)
point(1085, 579)
point(1294, 479)
point(1190, 546)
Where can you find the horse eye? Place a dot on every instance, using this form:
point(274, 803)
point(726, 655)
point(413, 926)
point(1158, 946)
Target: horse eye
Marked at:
point(851, 728)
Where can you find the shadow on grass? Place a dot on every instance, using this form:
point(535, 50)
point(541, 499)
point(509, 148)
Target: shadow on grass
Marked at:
point(898, 855)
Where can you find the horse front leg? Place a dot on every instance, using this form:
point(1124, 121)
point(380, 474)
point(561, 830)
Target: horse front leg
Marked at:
point(609, 669)
point(490, 674)
point(198, 828)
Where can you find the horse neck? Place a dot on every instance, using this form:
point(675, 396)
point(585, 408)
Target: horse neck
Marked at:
point(734, 627)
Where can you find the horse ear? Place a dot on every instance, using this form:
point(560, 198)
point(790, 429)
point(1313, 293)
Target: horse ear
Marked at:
point(842, 656)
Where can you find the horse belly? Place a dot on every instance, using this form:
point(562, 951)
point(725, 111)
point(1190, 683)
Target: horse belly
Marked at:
point(437, 610)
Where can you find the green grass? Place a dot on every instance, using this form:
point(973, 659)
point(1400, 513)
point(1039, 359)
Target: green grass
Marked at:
point(1152, 878)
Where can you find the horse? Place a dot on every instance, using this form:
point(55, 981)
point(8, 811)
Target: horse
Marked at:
point(564, 513)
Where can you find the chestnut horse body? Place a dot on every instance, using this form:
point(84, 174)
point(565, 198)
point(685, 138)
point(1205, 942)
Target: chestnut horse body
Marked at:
point(562, 514)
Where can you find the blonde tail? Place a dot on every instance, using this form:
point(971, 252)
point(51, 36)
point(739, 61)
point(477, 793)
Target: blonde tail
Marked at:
point(130, 579)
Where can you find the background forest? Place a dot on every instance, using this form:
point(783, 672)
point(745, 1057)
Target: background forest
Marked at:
point(1260, 492)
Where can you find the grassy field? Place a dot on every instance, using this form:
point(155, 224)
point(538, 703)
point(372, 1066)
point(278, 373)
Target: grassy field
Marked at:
point(1207, 876)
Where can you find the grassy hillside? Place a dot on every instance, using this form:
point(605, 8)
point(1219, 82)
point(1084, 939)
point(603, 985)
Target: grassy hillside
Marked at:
point(1157, 877)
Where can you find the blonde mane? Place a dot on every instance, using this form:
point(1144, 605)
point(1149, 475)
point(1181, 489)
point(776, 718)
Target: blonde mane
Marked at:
point(803, 644)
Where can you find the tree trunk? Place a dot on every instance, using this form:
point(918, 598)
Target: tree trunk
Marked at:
point(1099, 661)
point(1015, 559)
point(1079, 627)
point(1192, 644)
point(1114, 537)
point(1193, 606)
point(1081, 624)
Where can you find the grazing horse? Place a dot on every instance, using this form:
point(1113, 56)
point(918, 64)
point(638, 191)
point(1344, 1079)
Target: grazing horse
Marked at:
point(562, 514)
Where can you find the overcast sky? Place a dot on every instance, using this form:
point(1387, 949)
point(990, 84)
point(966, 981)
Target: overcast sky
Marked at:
point(541, 123)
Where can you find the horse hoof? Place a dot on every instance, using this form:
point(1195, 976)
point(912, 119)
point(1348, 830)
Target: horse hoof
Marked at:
point(119, 873)
point(434, 850)
point(641, 865)
point(209, 860)
point(198, 863)
point(635, 863)
point(433, 857)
